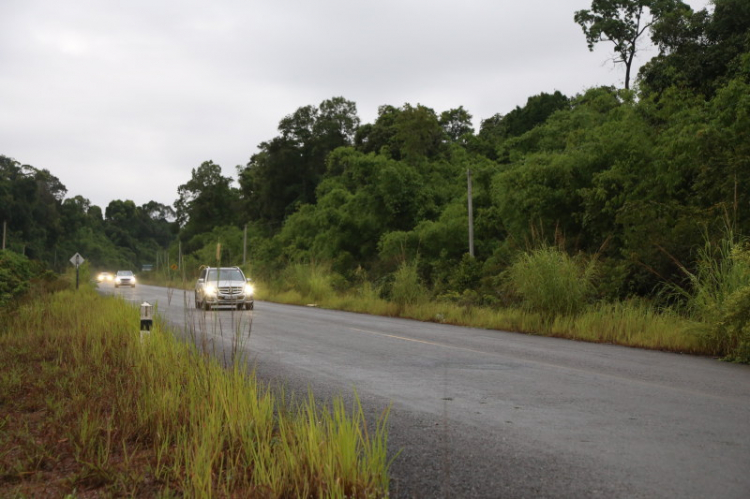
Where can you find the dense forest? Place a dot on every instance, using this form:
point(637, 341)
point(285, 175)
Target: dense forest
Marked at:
point(639, 180)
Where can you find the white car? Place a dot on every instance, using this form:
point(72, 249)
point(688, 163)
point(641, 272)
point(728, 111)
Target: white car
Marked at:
point(223, 287)
point(124, 278)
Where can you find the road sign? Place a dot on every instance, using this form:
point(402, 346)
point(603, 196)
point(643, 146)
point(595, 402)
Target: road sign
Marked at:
point(77, 260)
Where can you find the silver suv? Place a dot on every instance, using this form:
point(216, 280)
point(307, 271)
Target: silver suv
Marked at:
point(223, 287)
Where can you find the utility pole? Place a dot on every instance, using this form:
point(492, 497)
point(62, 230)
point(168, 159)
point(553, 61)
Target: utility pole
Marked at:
point(471, 215)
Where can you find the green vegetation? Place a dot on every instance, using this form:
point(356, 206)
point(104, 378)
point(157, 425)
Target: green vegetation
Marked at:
point(633, 323)
point(600, 203)
point(87, 407)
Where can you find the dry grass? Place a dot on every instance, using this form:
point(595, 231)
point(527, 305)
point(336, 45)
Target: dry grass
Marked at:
point(88, 409)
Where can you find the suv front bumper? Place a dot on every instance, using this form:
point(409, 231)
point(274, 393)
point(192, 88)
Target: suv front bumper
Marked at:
point(223, 300)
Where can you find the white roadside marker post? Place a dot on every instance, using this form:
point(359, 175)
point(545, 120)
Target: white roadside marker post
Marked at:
point(147, 319)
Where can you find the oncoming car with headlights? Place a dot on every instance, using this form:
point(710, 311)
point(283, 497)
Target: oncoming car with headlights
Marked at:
point(124, 278)
point(103, 276)
point(223, 287)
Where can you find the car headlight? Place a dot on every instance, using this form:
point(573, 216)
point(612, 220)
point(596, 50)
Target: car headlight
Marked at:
point(133, 279)
point(209, 290)
point(117, 280)
point(249, 289)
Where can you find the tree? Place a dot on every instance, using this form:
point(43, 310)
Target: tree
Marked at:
point(698, 50)
point(456, 123)
point(622, 22)
point(206, 200)
point(497, 129)
point(286, 171)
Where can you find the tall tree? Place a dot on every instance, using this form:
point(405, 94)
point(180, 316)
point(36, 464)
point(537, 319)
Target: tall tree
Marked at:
point(699, 50)
point(206, 200)
point(622, 23)
point(286, 171)
point(456, 123)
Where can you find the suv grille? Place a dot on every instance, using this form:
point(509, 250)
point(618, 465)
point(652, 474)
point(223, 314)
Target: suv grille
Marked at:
point(231, 290)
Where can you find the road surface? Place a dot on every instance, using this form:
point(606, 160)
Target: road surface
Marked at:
point(479, 413)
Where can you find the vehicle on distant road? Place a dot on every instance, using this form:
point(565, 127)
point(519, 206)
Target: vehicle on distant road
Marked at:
point(124, 278)
point(103, 276)
point(223, 287)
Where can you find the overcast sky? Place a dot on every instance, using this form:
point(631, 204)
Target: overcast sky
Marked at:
point(122, 99)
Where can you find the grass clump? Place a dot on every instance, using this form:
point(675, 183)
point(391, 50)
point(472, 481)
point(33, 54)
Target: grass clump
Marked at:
point(551, 283)
point(719, 297)
point(87, 407)
point(311, 280)
point(407, 288)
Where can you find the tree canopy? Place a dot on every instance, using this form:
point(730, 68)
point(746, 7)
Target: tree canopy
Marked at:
point(635, 179)
point(623, 23)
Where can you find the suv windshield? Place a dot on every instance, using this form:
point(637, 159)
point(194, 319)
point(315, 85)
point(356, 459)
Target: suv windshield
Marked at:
point(226, 275)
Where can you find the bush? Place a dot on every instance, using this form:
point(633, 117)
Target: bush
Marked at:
point(731, 334)
point(549, 282)
point(313, 281)
point(720, 297)
point(15, 276)
point(407, 288)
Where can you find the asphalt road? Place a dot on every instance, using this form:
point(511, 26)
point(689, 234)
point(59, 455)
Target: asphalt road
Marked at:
point(479, 413)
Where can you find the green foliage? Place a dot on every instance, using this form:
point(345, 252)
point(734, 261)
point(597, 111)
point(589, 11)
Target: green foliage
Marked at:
point(29, 206)
point(495, 130)
point(731, 335)
point(206, 200)
point(407, 288)
point(313, 281)
point(700, 51)
point(719, 296)
point(411, 133)
point(629, 179)
point(287, 170)
point(45, 227)
point(551, 283)
point(456, 124)
point(15, 275)
point(622, 22)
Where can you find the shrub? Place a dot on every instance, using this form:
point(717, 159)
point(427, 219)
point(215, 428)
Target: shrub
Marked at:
point(720, 297)
point(549, 282)
point(311, 280)
point(407, 288)
point(15, 275)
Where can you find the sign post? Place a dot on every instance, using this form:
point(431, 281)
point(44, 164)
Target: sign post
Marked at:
point(77, 260)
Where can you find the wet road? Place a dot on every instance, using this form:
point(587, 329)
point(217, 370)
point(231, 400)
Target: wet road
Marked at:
point(478, 413)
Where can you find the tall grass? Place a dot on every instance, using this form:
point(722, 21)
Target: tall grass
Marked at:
point(556, 299)
point(719, 297)
point(154, 417)
point(311, 280)
point(407, 288)
point(551, 283)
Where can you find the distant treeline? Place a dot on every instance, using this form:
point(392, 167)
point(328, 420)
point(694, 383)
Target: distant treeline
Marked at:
point(638, 179)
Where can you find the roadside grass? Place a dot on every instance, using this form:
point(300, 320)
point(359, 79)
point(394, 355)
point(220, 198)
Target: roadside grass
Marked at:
point(634, 323)
point(89, 409)
point(631, 323)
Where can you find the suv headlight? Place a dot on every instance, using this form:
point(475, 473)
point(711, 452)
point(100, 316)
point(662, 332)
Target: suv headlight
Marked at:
point(249, 289)
point(209, 290)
